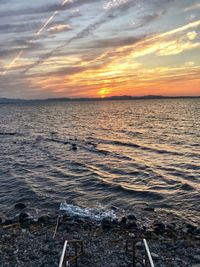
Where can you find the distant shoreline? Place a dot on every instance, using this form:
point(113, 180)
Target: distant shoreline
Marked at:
point(112, 98)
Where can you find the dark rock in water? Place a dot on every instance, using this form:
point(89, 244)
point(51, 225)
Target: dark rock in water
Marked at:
point(149, 234)
point(171, 226)
point(26, 222)
point(1, 220)
point(45, 219)
point(23, 216)
point(114, 208)
point(20, 206)
point(106, 224)
point(132, 225)
point(159, 228)
point(123, 221)
point(131, 217)
point(187, 187)
point(197, 232)
point(115, 222)
point(191, 228)
point(74, 147)
point(7, 222)
point(151, 209)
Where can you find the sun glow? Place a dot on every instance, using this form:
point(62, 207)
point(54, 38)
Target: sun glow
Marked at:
point(104, 92)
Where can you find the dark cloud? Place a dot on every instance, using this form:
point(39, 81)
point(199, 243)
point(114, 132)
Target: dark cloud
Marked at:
point(115, 42)
point(15, 28)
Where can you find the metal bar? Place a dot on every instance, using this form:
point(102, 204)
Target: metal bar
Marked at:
point(56, 228)
point(63, 254)
point(74, 258)
point(148, 253)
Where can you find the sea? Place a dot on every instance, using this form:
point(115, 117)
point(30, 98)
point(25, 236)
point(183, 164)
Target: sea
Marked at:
point(92, 156)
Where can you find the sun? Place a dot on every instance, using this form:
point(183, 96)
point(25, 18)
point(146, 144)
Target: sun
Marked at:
point(104, 92)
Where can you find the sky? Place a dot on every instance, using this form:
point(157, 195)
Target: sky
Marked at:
point(99, 48)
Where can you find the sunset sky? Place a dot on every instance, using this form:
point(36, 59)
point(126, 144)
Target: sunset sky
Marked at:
point(98, 48)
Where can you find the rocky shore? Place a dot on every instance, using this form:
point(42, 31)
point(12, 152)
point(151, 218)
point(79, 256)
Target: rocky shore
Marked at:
point(26, 241)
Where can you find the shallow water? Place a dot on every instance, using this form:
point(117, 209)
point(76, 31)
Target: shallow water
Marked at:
point(129, 153)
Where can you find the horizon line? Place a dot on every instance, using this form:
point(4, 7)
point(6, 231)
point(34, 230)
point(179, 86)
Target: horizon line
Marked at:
point(114, 97)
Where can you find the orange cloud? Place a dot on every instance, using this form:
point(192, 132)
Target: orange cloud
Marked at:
point(59, 28)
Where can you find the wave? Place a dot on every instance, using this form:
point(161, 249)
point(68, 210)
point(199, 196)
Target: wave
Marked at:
point(8, 133)
point(91, 213)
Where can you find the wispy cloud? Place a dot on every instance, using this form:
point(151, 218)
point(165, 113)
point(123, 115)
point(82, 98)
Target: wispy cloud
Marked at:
point(59, 28)
point(192, 7)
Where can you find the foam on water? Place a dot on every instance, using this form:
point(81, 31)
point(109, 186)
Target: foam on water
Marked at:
point(93, 214)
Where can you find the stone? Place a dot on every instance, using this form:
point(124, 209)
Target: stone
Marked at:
point(1, 220)
point(8, 222)
point(131, 217)
point(139, 244)
point(191, 228)
point(74, 147)
point(115, 222)
point(106, 224)
point(196, 265)
point(114, 208)
point(44, 219)
point(197, 231)
point(123, 220)
point(197, 258)
point(23, 216)
point(20, 206)
point(159, 228)
point(154, 255)
point(151, 209)
point(132, 225)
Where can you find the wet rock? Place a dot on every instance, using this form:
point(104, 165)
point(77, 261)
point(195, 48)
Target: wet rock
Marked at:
point(151, 209)
point(131, 217)
point(8, 222)
point(159, 228)
point(191, 228)
point(196, 265)
point(154, 256)
point(23, 216)
point(196, 258)
point(20, 206)
point(106, 224)
point(1, 220)
point(123, 221)
point(74, 147)
point(26, 223)
point(132, 225)
point(114, 208)
point(45, 219)
point(139, 244)
point(115, 222)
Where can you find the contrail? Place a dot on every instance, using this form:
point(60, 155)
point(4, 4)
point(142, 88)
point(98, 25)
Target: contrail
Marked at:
point(46, 23)
point(13, 62)
point(9, 66)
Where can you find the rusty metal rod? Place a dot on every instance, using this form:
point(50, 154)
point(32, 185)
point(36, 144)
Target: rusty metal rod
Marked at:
point(56, 228)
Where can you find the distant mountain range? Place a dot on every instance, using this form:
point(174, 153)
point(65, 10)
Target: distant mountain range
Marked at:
point(64, 99)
